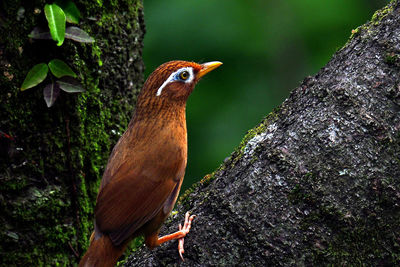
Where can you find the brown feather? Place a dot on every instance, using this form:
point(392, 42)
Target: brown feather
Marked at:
point(101, 253)
point(140, 177)
point(146, 168)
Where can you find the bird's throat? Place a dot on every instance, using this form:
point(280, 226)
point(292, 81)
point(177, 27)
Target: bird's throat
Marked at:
point(148, 122)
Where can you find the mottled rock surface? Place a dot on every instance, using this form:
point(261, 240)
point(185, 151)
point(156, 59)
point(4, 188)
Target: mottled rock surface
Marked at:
point(318, 181)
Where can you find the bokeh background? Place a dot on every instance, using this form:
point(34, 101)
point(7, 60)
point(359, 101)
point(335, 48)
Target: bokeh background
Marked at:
point(267, 48)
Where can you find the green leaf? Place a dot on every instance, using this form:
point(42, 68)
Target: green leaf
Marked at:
point(70, 85)
point(71, 11)
point(59, 68)
point(56, 19)
point(50, 93)
point(35, 76)
point(78, 35)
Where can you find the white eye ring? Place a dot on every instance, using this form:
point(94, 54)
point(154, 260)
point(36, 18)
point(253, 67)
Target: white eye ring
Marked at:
point(175, 77)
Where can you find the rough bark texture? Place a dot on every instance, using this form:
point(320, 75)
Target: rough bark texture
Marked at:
point(318, 181)
point(49, 171)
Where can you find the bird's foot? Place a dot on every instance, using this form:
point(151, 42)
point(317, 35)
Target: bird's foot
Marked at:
point(184, 230)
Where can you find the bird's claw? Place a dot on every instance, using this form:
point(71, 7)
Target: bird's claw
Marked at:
point(185, 229)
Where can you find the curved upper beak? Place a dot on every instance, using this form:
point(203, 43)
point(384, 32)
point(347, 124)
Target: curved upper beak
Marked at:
point(209, 66)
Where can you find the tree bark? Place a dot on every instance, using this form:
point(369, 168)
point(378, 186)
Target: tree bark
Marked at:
point(51, 159)
point(318, 181)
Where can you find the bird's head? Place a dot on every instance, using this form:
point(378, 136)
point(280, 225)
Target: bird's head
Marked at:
point(174, 81)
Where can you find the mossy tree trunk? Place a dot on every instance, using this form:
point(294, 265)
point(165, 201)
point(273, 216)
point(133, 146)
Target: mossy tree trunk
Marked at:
point(51, 159)
point(318, 181)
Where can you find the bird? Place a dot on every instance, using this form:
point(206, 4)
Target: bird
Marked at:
point(145, 170)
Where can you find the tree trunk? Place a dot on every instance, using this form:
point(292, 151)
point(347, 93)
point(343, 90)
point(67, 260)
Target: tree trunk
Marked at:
point(318, 181)
point(51, 159)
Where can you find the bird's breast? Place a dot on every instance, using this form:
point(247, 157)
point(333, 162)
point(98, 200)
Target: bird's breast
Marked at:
point(163, 149)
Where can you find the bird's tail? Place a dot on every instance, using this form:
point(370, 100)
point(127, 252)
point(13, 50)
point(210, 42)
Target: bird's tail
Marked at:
point(101, 253)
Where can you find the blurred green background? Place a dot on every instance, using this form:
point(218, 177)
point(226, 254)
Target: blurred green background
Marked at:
point(267, 48)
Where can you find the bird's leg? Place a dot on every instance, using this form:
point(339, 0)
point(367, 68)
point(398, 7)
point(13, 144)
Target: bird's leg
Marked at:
point(183, 231)
point(180, 244)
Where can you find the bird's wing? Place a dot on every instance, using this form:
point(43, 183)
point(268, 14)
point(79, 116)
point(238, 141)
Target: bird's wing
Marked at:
point(130, 199)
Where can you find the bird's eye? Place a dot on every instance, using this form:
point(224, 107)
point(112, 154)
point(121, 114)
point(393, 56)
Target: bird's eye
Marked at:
point(184, 75)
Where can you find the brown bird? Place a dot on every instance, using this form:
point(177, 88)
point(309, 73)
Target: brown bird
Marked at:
point(146, 168)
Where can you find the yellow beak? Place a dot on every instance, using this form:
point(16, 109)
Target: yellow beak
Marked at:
point(207, 67)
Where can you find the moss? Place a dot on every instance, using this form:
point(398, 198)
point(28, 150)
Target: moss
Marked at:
point(85, 210)
point(374, 22)
point(39, 208)
point(355, 33)
point(381, 13)
point(132, 247)
point(392, 58)
point(239, 151)
point(13, 184)
point(51, 172)
point(236, 155)
point(96, 51)
point(206, 180)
